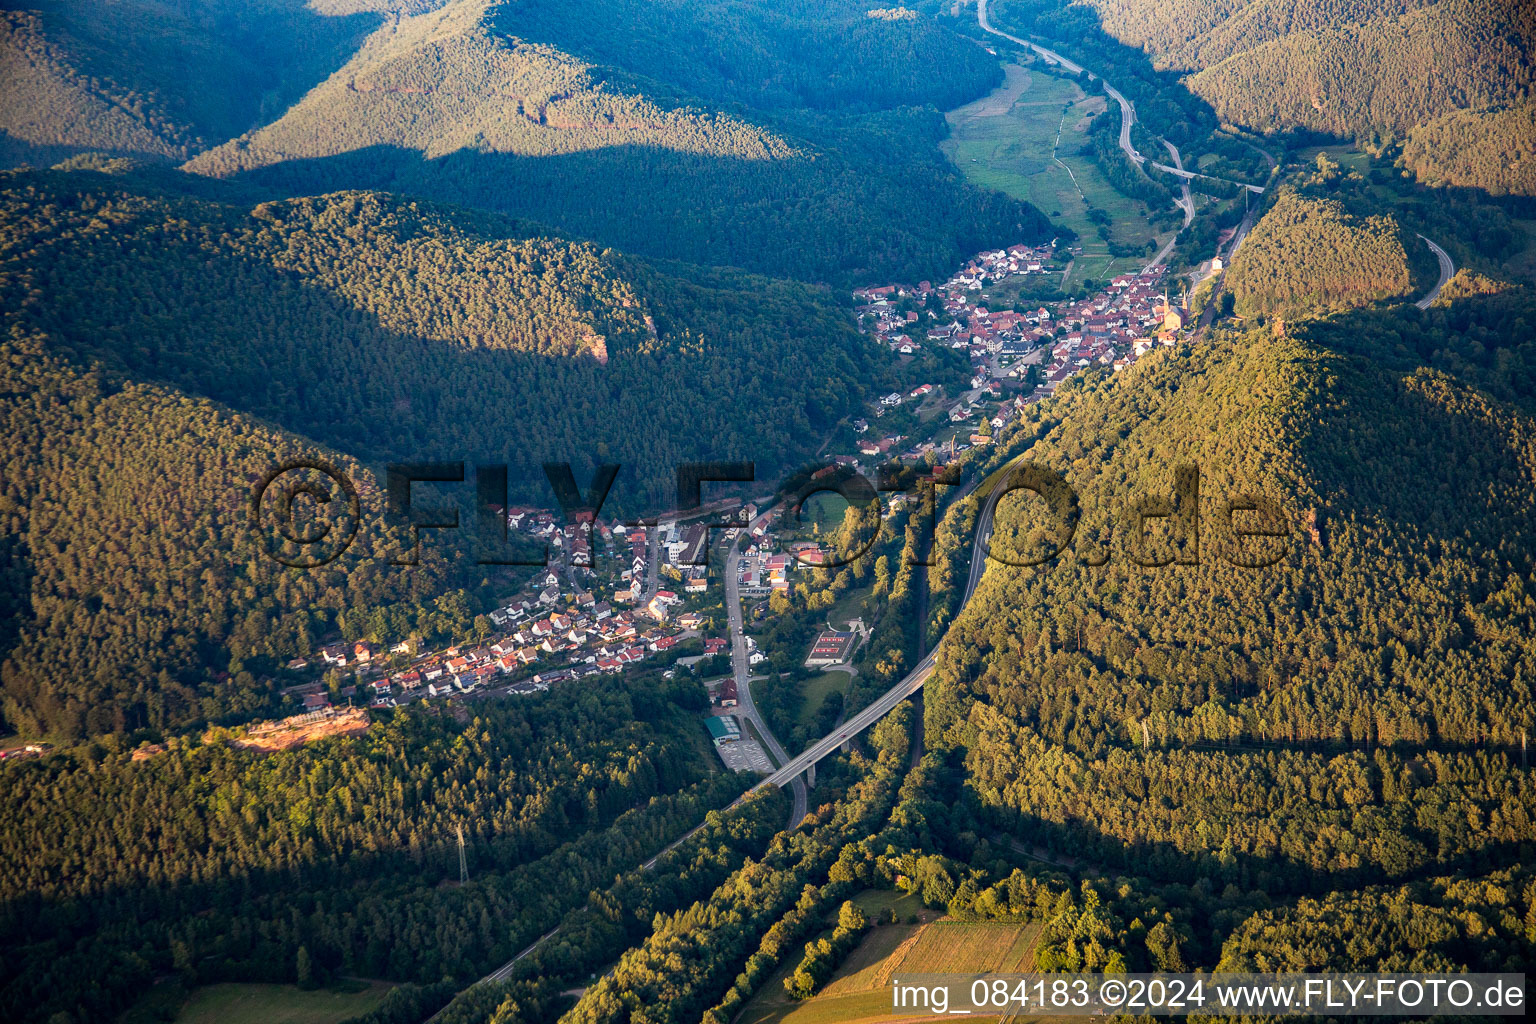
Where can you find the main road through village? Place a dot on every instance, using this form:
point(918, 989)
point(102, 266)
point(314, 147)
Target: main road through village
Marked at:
point(792, 769)
point(741, 669)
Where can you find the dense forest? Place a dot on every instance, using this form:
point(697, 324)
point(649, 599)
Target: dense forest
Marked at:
point(159, 79)
point(1278, 726)
point(212, 863)
point(1493, 150)
point(793, 139)
point(788, 913)
point(640, 130)
point(1353, 79)
point(1444, 924)
point(1351, 713)
point(1310, 254)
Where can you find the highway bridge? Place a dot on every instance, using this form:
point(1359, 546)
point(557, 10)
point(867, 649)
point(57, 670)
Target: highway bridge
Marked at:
point(790, 774)
point(910, 683)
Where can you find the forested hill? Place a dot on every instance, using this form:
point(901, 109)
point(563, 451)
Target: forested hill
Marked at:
point(155, 78)
point(1351, 68)
point(827, 55)
point(437, 82)
point(166, 351)
point(798, 141)
point(1350, 79)
point(1329, 241)
point(1492, 149)
point(1310, 254)
point(1348, 715)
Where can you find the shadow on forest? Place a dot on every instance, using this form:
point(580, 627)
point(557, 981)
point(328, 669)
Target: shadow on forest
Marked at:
point(312, 358)
point(1279, 877)
point(1095, 852)
point(1427, 459)
point(395, 913)
point(815, 219)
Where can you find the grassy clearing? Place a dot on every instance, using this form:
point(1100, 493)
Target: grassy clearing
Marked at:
point(1006, 141)
point(281, 1004)
point(903, 905)
point(816, 690)
point(1347, 155)
point(821, 513)
point(849, 606)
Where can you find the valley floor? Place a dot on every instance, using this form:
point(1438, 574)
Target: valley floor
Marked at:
point(1024, 139)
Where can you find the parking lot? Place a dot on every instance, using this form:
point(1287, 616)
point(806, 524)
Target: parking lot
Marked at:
point(745, 756)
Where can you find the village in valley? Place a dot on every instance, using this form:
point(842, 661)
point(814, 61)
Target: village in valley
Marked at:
point(637, 596)
point(614, 597)
point(1020, 350)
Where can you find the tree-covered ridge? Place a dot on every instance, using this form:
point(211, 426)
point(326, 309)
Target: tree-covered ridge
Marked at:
point(1309, 254)
point(1493, 150)
point(1477, 333)
point(527, 773)
point(1351, 68)
point(135, 591)
point(159, 79)
point(537, 295)
point(1482, 923)
point(797, 140)
point(165, 352)
point(1354, 79)
point(51, 107)
point(1194, 34)
point(1377, 558)
point(390, 328)
point(194, 861)
point(781, 56)
point(442, 81)
point(675, 135)
point(1368, 692)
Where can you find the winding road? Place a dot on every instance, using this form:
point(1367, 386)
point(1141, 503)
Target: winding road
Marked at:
point(1447, 268)
point(1186, 203)
point(1127, 112)
point(910, 684)
point(793, 769)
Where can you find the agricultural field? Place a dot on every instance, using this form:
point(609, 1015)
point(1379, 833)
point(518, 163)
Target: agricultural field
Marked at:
point(1024, 139)
point(960, 947)
point(281, 1004)
point(860, 991)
